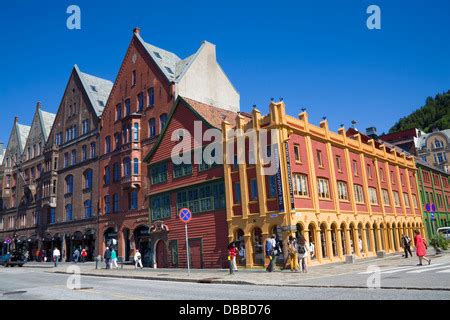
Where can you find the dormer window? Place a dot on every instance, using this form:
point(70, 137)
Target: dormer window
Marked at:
point(157, 55)
point(94, 88)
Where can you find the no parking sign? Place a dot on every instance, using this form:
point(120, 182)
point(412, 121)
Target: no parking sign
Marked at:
point(186, 215)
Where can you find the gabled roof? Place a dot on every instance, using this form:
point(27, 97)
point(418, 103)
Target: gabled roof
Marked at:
point(172, 66)
point(211, 116)
point(47, 120)
point(422, 141)
point(97, 89)
point(22, 134)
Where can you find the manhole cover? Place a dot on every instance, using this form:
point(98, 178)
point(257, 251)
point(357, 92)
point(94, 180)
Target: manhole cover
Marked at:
point(14, 292)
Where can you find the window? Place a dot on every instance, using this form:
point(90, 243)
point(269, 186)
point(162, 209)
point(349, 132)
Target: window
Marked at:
point(69, 214)
point(382, 174)
point(124, 134)
point(406, 199)
point(385, 197)
point(107, 176)
point(152, 127)
point(158, 173)
point(438, 144)
point(319, 158)
point(415, 201)
point(373, 196)
point(151, 97)
point(297, 153)
point(253, 189)
point(118, 111)
point(396, 199)
point(355, 168)
point(300, 185)
point(88, 209)
point(163, 121)
point(207, 197)
point(342, 190)
point(136, 132)
point(88, 179)
point(107, 204)
point(85, 126)
point(369, 171)
point(181, 170)
point(74, 157)
point(237, 192)
point(116, 172)
point(58, 139)
point(116, 207)
point(136, 166)
point(359, 195)
point(84, 153)
point(338, 163)
point(93, 150)
point(127, 107)
point(126, 167)
point(52, 215)
point(272, 187)
point(392, 177)
point(140, 101)
point(160, 207)
point(108, 144)
point(69, 184)
point(133, 78)
point(117, 140)
point(133, 200)
point(323, 188)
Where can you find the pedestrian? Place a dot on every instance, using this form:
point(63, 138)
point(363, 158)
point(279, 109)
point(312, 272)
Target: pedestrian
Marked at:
point(137, 259)
point(27, 255)
point(421, 247)
point(114, 259)
point(83, 255)
point(292, 254)
point(76, 255)
point(312, 250)
point(241, 253)
point(360, 246)
point(107, 257)
point(406, 242)
point(56, 255)
point(232, 252)
point(38, 255)
point(302, 249)
point(270, 253)
point(44, 255)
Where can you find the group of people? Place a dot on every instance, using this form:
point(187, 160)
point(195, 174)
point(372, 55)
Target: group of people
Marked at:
point(77, 255)
point(298, 251)
point(110, 257)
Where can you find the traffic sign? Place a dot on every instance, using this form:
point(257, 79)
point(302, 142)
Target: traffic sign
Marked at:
point(185, 215)
point(433, 208)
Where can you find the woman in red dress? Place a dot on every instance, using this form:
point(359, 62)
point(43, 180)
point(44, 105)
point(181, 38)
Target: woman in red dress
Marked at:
point(421, 248)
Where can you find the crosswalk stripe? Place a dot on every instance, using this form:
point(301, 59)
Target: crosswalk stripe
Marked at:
point(431, 268)
point(396, 268)
point(424, 268)
point(444, 271)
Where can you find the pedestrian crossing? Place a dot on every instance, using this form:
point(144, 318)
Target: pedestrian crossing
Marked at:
point(435, 267)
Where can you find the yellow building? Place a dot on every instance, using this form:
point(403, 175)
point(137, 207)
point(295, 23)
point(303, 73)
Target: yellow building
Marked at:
point(334, 188)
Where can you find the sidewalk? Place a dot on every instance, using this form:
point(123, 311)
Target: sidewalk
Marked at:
point(248, 276)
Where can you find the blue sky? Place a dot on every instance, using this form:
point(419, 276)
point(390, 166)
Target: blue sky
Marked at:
point(317, 54)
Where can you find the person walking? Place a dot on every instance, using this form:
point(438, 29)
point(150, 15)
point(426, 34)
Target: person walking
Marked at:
point(270, 253)
point(83, 255)
point(360, 246)
point(56, 256)
point(107, 257)
point(76, 255)
point(137, 259)
point(232, 252)
point(421, 247)
point(406, 241)
point(44, 255)
point(292, 254)
point(114, 259)
point(312, 250)
point(302, 249)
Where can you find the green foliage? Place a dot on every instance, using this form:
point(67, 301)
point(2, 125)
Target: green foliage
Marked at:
point(439, 242)
point(434, 114)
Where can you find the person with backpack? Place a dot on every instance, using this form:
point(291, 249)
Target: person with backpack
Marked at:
point(406, 241)
point(114, 259)
point(421, 247)
point(76, 255)
point(302, 249)
point(107, 257)
point(270, 253)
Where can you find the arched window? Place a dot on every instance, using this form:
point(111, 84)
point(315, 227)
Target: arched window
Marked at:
point(136, 166)
point(88, 179)
point(126, 167)
point(108, 144)
point(69, 215)
point(69, 184)
point(136, 132)
point(88, 208)
point(258, 247)
point(107, 176)
point(152, 127)
point(323, 238)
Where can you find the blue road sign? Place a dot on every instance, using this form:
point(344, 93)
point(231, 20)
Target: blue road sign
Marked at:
point(185, 215)
point(433, 208)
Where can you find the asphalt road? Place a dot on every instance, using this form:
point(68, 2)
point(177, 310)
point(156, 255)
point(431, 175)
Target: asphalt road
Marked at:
point(24, 284)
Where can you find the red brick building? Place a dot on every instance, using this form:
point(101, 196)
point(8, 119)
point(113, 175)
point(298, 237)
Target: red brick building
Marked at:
point(146, 87)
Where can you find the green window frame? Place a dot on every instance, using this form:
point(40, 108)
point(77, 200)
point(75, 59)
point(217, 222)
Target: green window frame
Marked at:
point(158, 173)
point(204, 198)
point(182, 170)
point(160, 207)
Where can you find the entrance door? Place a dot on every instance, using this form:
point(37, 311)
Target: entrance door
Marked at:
point(195, 252)
point(161, 254)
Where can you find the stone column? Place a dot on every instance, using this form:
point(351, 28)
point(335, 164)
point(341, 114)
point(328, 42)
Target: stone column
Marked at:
point(378, 239)
point(347, 241)
point(339, 244)
point(364, 241)
point(318, 246)
point(248, 251)
point(329, 244)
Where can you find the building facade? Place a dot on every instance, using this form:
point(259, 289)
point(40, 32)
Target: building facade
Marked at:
point(334, 188)
point(145, 90)
point(434, 148)
point(434, 187)
point(69, 183)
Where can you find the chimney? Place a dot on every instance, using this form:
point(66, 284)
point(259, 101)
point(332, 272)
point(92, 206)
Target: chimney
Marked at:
point(137, 30)
point(16, 119)
point(38, 105)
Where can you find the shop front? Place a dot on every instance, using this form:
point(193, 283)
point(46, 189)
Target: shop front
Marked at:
point(143, 244)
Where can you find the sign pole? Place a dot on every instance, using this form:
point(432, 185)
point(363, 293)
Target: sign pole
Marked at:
point(187, 248)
